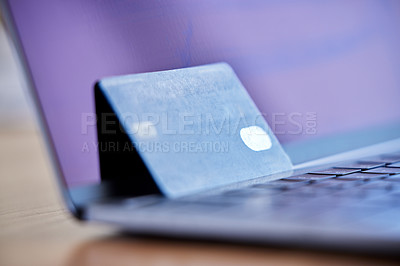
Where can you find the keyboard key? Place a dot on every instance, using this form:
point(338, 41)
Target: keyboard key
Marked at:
point(308, 177)
point(395, 165)
point(335, 171)
point(363, 165)
point(362, 176)
point(383, 170)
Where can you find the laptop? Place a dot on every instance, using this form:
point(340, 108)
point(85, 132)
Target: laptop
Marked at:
point(325, 78)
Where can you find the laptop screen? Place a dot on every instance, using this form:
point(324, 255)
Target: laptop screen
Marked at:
point(314, 69)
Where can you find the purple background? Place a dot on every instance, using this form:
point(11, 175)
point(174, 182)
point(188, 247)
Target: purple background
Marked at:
point(338, 59)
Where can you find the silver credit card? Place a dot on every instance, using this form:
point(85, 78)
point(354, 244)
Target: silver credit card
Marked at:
point(195, 128)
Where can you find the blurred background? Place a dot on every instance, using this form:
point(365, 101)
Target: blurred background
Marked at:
point(15, 107)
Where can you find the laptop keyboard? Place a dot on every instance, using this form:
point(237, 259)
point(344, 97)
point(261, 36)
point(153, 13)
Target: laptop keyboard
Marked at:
point(348, 192)
point(360, 196)
point(357, 183)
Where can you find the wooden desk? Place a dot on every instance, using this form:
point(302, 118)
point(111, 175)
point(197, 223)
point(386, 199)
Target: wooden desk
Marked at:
point(36, 230)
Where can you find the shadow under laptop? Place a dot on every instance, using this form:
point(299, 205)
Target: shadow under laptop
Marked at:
point(125, 249)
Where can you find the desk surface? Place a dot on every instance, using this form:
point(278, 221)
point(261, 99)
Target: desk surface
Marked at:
point(35, 229)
